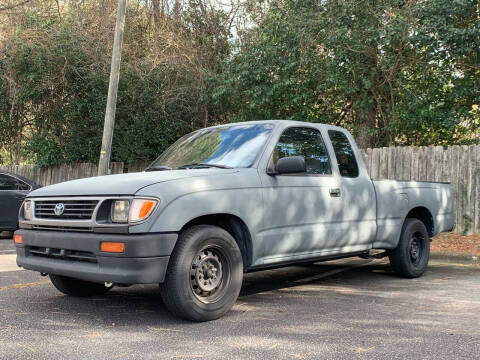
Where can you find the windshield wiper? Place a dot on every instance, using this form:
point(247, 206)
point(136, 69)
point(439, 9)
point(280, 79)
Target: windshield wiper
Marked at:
point(200, 165)
point(158, 168)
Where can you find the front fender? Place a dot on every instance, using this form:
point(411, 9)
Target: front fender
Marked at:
point(243, 203)
point(183, 200)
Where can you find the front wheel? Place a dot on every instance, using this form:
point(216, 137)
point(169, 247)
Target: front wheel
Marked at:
point(77, 288)
point(204, 275)
point(410, 258)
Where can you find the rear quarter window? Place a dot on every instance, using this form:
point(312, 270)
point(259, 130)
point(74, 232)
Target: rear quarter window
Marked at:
point(347, 163)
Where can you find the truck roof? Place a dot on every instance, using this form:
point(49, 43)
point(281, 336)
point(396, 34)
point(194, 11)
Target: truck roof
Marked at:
point(276, 122)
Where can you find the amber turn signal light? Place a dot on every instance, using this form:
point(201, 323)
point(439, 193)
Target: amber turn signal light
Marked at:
point(17, 239)
point(112, 247)
point(141, 209)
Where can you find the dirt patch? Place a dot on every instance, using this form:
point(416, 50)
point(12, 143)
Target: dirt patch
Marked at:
point(455, 243)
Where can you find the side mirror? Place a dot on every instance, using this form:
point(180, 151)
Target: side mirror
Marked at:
point(291, 165)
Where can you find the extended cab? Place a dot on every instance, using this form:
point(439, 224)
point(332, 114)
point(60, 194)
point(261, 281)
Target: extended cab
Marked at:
point(222, 201)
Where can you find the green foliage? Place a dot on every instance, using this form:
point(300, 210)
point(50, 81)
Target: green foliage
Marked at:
point(54, 88)
point(393, 72)
point(59, 93)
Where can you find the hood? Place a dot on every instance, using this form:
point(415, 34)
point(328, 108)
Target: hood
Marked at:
point(121, 184)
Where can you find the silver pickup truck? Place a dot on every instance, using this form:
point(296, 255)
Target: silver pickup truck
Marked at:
point(222, 201)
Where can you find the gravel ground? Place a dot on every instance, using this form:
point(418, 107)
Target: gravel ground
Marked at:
point(338, 310)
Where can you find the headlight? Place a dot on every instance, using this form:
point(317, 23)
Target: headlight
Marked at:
point(124, 211)
point(141, 209)
point(27, 210)
point(120, 210)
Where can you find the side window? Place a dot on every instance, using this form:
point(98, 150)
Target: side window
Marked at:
point(306, 142)
point(7, 182)
point(10, 183)
point(21, 185)
point(347, 164)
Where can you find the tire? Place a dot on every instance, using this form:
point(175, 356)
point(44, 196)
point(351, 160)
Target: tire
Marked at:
point(204, 275)
point(77, 288)
point(410, 258)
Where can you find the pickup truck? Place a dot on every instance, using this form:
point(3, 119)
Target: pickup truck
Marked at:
point(223, 201)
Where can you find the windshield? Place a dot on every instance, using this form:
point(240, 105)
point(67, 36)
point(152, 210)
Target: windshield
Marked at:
point(229, 146)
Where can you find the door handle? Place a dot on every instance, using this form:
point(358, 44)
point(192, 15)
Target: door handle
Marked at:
point(335, 192)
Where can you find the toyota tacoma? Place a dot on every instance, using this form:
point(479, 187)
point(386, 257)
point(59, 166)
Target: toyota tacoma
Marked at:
point(223, 201)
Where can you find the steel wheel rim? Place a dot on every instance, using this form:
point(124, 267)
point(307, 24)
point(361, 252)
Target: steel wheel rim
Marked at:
point(209, 274)
point(415, 248)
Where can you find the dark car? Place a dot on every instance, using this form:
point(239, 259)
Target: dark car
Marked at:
point(13, 189)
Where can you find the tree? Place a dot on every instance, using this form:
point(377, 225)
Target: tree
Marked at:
point(393, 72)
point(54, 70)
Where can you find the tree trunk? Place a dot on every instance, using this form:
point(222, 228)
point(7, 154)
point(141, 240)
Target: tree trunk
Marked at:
point(366, 125)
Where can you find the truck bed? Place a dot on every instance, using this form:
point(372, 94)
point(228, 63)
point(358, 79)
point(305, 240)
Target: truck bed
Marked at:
point(397, 199)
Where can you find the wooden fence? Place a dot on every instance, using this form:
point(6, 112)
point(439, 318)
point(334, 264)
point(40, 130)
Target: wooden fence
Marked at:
point(459, 165)
point(60, 173)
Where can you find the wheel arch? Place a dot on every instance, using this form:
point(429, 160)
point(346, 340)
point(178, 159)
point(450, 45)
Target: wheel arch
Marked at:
point(425, 216)
point(234, 225)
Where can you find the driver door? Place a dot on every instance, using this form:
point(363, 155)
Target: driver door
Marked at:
point(302, 211)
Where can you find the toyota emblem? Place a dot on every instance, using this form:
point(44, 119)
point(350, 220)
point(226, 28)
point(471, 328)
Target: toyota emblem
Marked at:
point(59, 209)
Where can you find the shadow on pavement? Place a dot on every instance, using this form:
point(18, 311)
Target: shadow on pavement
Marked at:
point(143, 303)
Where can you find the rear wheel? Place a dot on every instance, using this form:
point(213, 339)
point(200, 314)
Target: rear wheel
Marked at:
point(204, 275)
point(77, 288)
point(410, 258)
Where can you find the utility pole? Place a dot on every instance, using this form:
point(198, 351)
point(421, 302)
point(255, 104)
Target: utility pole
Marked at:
point(105, 152)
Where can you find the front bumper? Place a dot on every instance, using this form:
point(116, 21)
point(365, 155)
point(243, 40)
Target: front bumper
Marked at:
point(78, 255)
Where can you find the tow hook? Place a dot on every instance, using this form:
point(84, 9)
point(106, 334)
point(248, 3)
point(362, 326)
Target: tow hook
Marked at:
point(43, 274)
point(108, 284)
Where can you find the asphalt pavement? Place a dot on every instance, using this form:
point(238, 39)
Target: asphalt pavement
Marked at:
point(349, 309)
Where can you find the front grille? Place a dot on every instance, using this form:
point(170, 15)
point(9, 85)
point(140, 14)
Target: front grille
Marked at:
point(72, 209)
point(63, 254)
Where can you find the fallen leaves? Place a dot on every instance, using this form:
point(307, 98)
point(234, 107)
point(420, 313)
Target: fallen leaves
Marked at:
point(360, 350)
